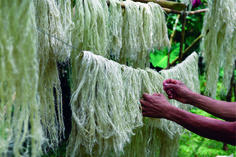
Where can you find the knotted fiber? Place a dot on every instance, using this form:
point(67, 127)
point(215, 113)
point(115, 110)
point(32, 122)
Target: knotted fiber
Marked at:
point(218, 45)
point(20, 129)
point(54, 19)
point(105, 106)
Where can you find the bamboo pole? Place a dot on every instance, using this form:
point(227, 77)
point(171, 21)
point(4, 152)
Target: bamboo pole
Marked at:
point(186, 50)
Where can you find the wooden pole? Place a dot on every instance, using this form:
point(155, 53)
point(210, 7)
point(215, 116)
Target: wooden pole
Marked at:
point(166, 4)
point(169, 10)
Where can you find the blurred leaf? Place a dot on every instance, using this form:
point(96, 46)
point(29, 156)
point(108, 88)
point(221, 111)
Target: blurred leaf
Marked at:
point(159, 58)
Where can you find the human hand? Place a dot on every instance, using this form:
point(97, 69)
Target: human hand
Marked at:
point(155, 106)
point(177, 90)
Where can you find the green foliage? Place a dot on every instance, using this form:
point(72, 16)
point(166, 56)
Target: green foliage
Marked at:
point(193, 28)
point(159, 58)
point(193, 145)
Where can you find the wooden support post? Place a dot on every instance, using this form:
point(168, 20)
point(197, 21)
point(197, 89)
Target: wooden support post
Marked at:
point(182, 37)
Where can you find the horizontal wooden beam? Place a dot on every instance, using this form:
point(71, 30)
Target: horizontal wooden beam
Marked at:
point(166, 4)
point(167, 10)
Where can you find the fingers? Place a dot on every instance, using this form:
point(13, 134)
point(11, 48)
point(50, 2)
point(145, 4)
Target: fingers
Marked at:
point(156, 94)
point(170, 81)
point(147, 96)
point(143, 103)
point(171, 96)
point(143, 106)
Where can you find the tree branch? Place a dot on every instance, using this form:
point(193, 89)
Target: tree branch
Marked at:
point(187, 50)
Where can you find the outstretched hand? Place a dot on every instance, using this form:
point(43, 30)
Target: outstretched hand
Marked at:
point(177, 90)
point(155, 106)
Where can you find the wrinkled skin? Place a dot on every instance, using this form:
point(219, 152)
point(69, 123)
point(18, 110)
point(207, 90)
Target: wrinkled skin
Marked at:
point(150, 109)
point(157, 106)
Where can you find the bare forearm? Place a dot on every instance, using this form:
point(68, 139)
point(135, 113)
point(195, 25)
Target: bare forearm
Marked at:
point(221, 109)
point(204, 126)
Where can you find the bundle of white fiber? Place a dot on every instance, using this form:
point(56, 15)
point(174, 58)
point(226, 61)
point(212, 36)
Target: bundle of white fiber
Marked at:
point(95, 36)
point(130, 35)
point(218, 46)
point(159, 137)
point(77, 35)
point(150, 141)
point(115, 24)
point(145, 33)
point(64, 7)
point(50, 50)
point(144, 28)
point(160, 35)
point(20, 129)
point(105, 104)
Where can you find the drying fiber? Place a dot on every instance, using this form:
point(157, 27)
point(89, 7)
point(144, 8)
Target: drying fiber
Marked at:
point(105, 107)
point(144, 28)
point(126, 35)
point(115, 24)
point(218, 45)
point(77, 35)
point(54, 18)
point(95, 36)
point(160, 137)
point(20, 129)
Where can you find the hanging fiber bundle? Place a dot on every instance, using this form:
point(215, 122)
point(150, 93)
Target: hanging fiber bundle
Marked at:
point(50, 51)
point(78, 30)
point(105, 104)
point(115, 27)
point(130, 35)
point(95, 27)
point(20, 129)
point(160, 35)
point(99, 104)
point(64, 7)
point(160, 137)
point(144, 28)
point(218, 45)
